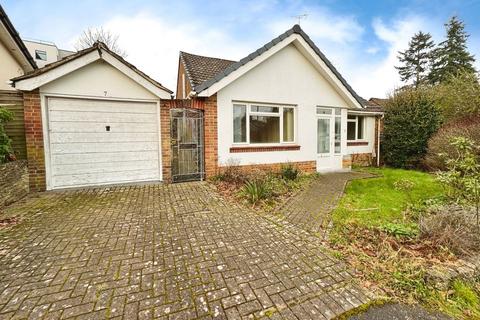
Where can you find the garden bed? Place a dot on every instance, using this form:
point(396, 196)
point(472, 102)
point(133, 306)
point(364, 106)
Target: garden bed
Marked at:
point(262, 189)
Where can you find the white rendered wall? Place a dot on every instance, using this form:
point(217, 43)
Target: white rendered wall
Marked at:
point(286, 78)
point(9, 68)
point(98, 79)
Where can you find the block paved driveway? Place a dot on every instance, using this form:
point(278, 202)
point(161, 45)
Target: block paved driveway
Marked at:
point(163, 252)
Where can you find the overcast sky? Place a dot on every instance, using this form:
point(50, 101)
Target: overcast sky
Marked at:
point(360, 37)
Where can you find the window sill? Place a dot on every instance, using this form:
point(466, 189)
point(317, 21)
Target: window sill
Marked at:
point(239, 149)
point(357, 143)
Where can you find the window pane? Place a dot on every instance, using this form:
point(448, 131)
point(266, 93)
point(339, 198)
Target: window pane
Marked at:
point(351, 117)
point(40, 55)
point(350, 130)
point(338, 111)
point(264, 109)
point(264, 129)
point(338, 134)
point(323, 135)
point(239, 123)
point(360, 127)
point(288, 126)
point(324, 111)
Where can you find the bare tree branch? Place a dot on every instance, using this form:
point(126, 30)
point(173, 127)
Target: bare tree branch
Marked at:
point(92, 35)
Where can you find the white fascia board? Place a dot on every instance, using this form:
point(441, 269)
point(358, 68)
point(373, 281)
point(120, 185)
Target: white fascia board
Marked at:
point(159, 92)
point(245, 68)
point(306, 50)
point(44, 78)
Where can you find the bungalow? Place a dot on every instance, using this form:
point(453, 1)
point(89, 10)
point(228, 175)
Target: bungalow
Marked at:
point(92, 118)
point(285, 102)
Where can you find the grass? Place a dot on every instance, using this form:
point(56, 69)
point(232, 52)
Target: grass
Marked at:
point(376, 232)
point(376, 202)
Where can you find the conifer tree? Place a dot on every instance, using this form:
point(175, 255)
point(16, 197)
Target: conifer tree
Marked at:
point(416, 59)
point(451, 56)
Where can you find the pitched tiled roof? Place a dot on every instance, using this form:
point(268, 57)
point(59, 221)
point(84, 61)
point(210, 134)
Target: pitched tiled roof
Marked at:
point(294, 30)
point(200, 68)
point(78, 54)
point(16, 37)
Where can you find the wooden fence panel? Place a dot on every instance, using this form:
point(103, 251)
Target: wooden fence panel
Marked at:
point(13, 101)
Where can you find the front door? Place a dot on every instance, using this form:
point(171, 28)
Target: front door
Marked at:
point(324, 143)
point(187, 144)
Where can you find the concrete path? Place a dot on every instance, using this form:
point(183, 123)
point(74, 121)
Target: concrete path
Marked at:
point(163, 252)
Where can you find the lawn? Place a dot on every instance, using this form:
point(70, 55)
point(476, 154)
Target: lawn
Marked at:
point(376, 232)
point(377, 202)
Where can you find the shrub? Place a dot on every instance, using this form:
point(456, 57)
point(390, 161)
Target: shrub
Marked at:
point(439, 147)
point(5, 142)
point(231, 172)
point(289, 172)
point(410, 120)
point(255, 190)
point(462, 180)
point(451, 227)
point(459, 96)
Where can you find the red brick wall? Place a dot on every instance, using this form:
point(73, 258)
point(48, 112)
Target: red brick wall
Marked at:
point(304, 166)
point(34, 140)
point(209, 107)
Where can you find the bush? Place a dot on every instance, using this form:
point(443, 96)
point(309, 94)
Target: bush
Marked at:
point(289, 172)
point(255, 190)
point(231, 172)
point(459, 96)
point(462, 180)
point(410, 120)
point(451, 227)
point(5, 142)
point(439, 147)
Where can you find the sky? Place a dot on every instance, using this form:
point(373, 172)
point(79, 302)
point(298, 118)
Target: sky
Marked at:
point(361, 38)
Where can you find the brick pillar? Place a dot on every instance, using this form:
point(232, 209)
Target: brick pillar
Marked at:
point(211, 136)
point(34, 140)
point(165, 106)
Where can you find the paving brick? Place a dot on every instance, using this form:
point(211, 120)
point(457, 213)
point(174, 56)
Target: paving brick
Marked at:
point(164, 251)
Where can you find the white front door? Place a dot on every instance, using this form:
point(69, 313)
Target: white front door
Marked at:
point(325, 143)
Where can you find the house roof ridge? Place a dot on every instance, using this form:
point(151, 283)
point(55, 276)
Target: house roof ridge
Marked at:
point(98, 45)
point(296, 29)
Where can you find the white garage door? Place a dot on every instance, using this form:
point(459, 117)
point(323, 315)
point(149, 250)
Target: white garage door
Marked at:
point(95, 142)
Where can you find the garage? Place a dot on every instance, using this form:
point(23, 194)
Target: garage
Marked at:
point(96, 142)
point(92, 119)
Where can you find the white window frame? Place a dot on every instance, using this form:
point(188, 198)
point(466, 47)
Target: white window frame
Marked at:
point(249, 112)
point(356, 127)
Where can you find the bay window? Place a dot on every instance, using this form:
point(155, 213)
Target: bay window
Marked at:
point(263, 124)
point(355, 127)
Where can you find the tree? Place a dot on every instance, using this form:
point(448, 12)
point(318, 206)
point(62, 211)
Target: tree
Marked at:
point(416, 59)
point(90, 36)
point(411, 118)
point(451, 56)
point(458, 96)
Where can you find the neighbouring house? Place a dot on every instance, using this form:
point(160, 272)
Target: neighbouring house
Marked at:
point(15, 60)
point(91, 118)
point(283, 103)
point(45, 52)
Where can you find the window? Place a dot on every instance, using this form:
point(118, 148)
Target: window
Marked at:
point(239, 123)
point(355, 127)
point(41, 55)
point(257, 124)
